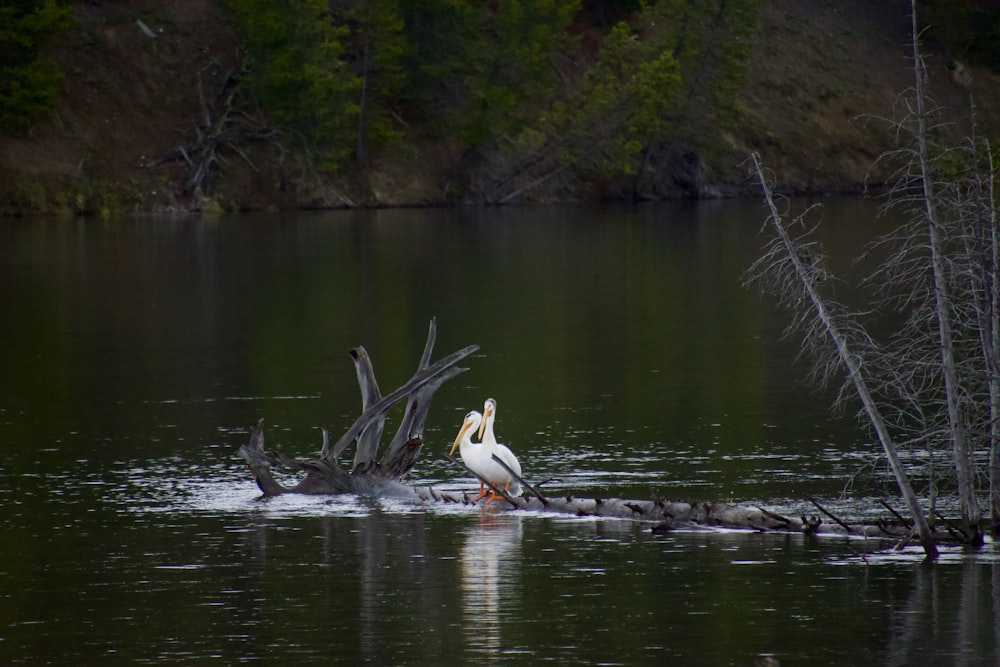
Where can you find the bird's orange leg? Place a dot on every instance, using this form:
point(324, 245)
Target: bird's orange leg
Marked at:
point(482, 492)
point(497, 496)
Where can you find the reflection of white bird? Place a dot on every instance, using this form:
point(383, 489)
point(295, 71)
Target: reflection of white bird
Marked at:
point(496, 473)
point(474, 454)
point(489, 560)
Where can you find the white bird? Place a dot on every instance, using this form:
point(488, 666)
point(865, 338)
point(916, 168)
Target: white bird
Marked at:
point(474, 454)
point(496, 473)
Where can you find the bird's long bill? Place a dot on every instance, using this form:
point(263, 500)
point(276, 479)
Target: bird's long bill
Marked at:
point(487, 413)
point(458, 440)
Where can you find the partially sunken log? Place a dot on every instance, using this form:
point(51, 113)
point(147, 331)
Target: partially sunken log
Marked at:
point(324, 475)
point(664, 516)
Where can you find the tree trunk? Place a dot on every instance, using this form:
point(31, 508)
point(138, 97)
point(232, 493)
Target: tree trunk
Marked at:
point(971, 514)
point(803, 275)
point(990, 314)
point(363, 105)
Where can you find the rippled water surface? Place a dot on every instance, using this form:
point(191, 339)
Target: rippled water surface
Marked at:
point(625, 359)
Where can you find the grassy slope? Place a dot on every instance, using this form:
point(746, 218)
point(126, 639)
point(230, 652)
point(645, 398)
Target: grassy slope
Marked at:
point(820, 73)
point(127, 97)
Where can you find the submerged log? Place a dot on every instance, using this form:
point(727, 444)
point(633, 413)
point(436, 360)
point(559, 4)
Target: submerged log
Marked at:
point(664, 516)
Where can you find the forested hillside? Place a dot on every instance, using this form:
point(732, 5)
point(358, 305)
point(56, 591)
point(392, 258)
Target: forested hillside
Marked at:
point(144, 105)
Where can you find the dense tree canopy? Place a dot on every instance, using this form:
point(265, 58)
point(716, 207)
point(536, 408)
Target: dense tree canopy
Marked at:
point(296, 66)
point(28, 81)
point(513, 83)
point(507, 99)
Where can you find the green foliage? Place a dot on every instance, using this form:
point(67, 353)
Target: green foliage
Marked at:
point(655, 83)
point(376, 47)
point(511, 71)
point(622, 101)
point(713, 40)
point(27, 194)
point(296, 67)
point(500, 80)
point(485, 69)
point(495, 78)
point(28, 82)
point(969, 28)
point(436, 32)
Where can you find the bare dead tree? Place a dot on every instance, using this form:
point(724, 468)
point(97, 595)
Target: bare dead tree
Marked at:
point(977, 274)
point(971, 514)
point(792, 268)
point(990, 331)
point(937, 256)
point(228, 126)
point(935, 385)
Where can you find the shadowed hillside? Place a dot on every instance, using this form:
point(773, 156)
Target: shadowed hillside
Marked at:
point(147, 81)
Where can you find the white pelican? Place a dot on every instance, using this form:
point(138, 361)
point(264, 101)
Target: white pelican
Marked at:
point(474, 455)
point(497, 474)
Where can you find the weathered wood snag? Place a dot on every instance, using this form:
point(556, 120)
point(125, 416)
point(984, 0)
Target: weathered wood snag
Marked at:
point(324, 475)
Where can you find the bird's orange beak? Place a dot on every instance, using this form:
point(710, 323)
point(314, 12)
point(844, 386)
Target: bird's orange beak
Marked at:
point(458, 440)
point(487, 413)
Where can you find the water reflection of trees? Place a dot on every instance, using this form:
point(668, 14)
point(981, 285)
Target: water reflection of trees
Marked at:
point(951, 616)
point(489, 562)
point(356, 590)
point(399, 596)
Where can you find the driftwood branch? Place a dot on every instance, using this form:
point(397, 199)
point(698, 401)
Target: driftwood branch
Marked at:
point(369, 439)
point(775, 516)
point(383, 405)
point(324, 475)
point(833, 517)
point(899, 517)
point(418, 403)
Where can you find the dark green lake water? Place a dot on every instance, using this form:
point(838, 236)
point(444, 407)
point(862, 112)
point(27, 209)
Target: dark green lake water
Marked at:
point(624, 356)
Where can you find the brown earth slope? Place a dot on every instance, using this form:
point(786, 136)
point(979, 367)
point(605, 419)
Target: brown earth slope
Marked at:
point(817, 69)
point(126, 96)
point(820, 75)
